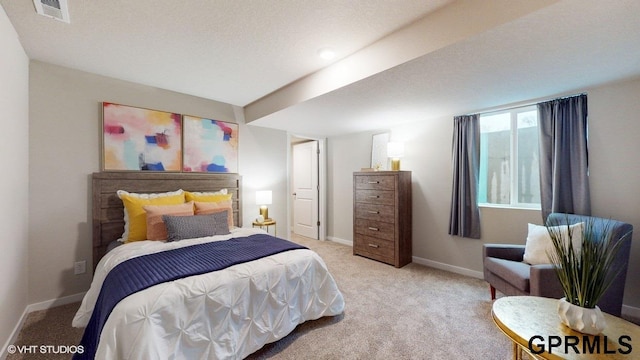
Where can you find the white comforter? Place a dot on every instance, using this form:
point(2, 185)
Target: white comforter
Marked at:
point(226, 314)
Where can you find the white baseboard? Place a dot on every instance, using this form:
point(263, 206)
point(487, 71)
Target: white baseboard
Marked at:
point(36, 307)
point(55, 302)
point(627, 310)
point(340, 241)
point(631, 311)
point(14, 335)
point(450, 268)
point(425, 262)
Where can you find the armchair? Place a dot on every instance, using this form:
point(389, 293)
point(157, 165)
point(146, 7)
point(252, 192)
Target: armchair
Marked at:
point(505, 270)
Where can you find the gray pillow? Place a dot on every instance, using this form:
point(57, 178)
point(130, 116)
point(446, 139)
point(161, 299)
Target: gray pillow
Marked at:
point(196, 226)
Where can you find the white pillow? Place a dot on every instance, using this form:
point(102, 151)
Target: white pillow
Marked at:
point(207, 193)
point(539, 242)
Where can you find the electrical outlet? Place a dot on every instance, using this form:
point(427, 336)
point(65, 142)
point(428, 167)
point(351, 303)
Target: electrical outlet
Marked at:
point(80, 267)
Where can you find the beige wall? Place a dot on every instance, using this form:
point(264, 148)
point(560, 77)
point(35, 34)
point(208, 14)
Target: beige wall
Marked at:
point(263, 166)
point(345, 154)
point(614, 131)
point(65, 112)
point(55, 117)
point(14, 157)
point(614, 145)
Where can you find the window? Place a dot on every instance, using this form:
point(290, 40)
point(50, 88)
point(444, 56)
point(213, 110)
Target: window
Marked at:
point(509, 160)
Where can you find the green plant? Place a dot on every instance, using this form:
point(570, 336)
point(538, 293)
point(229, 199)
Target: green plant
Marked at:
point(585, 273)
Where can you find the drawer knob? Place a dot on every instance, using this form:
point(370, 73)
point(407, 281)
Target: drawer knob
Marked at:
point(374, 182)
point(374, 212)
point(373, 228)
point(374, 246)
point(374, 196)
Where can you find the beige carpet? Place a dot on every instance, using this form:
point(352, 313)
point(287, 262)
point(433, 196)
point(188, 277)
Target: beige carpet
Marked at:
point(414, 312)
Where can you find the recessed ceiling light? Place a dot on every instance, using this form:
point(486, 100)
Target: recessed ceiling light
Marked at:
point(326, 53)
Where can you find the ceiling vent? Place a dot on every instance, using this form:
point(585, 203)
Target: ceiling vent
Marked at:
point(57, 9)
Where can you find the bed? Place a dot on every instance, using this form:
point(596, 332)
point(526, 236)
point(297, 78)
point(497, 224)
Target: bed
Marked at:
point(227, 313)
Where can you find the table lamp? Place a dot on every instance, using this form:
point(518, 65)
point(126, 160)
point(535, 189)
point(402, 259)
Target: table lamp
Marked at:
point(263, 198)
point(395, 150)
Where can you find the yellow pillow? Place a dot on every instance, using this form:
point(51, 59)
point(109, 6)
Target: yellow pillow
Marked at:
point(156, 229)
point(205, 208)
point(135, 216)
point(206, 197)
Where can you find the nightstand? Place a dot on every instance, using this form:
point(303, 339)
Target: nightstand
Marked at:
point(265, 224)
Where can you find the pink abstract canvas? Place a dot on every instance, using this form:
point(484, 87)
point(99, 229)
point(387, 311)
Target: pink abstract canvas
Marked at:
point(210, 145)
point(140, 139)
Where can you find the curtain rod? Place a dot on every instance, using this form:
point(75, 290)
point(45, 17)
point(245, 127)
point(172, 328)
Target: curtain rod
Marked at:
point(521, 105)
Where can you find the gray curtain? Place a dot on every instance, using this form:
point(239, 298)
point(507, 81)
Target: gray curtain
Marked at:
point(564, 166)
point(464, 218)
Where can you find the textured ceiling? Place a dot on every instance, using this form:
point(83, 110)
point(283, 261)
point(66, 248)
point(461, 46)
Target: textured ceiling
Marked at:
point(562, 49)
point(227, 50)
point(239, 52)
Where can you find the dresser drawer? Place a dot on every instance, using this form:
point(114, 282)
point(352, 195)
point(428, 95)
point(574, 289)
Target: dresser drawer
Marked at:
point(375, 182)
point(385, 213)
point(375, 197)
point(374, 248)
point(378, 229)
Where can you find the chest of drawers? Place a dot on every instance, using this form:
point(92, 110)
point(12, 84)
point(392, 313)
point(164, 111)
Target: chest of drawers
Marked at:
point(382, 216)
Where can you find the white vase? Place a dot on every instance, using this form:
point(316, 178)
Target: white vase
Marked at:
point(584, 320)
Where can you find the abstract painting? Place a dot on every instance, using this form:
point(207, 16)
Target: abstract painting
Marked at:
point(140, 139)
point(209, 145)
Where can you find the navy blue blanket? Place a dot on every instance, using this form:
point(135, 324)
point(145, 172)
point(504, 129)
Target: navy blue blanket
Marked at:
point(145, 271)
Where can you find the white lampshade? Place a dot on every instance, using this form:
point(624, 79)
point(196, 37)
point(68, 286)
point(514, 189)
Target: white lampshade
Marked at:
point(395, 150)
point(263, 197)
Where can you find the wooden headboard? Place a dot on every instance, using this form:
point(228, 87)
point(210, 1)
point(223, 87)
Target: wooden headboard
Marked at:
point(108, 211)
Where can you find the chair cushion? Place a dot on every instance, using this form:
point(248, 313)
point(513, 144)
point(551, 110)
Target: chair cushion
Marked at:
point(515, 273)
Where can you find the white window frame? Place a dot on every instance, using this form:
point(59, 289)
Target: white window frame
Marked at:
point(513, 148)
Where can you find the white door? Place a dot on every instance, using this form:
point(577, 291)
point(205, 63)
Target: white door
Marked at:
point(305, 189)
